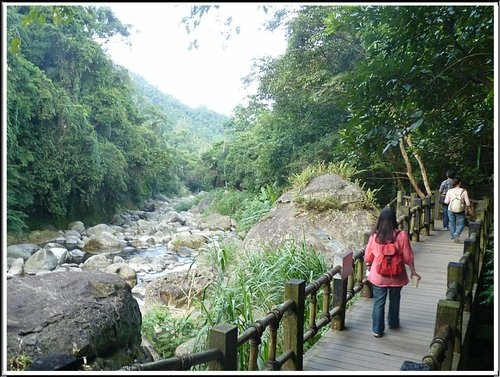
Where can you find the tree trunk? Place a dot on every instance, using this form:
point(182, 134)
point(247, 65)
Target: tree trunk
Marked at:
point(409, 170)
point(423, 171)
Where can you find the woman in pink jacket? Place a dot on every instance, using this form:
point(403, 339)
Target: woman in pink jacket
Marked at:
point(386, 230)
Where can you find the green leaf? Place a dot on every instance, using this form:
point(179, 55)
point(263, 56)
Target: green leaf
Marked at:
point(15, 45)
point(417, 124)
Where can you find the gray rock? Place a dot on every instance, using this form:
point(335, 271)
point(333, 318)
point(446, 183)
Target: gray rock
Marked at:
point(216, 221)
point(127, 273)
point(77, 225)
point(178, 289)
point(87, 314)
point(291, 222)
point(96, 262)
point(17, 267)
point(23, 250)
point(99, 228)
point(103, 241)
point(42, 260)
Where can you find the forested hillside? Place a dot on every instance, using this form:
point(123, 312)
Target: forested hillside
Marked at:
point(85, 137)
point(190, 129)
point(401, 93)
point(398, 93)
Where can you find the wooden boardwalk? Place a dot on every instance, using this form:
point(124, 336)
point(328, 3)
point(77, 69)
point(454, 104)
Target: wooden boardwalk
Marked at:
point(356, 349)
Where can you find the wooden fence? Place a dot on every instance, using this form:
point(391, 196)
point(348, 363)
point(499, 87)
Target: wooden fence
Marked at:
point(450, 336)
point(328, 296)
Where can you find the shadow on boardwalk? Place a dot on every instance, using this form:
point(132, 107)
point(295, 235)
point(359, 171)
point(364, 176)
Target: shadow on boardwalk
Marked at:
point(356, 349)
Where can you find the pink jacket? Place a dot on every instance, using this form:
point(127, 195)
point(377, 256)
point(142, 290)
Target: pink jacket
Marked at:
point(402, 243)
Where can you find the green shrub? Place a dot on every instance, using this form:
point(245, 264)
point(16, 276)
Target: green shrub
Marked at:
point(244, 207)
point(166, 331)
point(256, 207)
point(226, 202)
point(249, 289)
point(186, 203)
point(487, 295)
point(19, 362)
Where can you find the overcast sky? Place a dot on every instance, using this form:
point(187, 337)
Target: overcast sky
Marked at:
point(210, 75)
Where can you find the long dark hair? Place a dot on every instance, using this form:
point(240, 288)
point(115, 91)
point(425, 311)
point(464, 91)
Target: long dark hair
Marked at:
point(456, 181)
point(385, 225)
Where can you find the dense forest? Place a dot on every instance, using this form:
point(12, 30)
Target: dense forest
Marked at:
point(401, 93)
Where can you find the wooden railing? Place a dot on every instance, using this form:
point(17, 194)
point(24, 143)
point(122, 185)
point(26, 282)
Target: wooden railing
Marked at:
point(446, 350)
point(336, 288)
point(224, 340)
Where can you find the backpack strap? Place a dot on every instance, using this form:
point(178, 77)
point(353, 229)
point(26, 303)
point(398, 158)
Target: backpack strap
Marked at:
point(396, 237)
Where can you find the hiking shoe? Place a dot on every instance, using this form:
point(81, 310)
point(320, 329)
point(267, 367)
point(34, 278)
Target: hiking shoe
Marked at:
point(377, 335)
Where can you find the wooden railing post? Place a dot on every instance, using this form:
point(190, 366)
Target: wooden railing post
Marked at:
point(399, 203)
point(475, 229)
point(440, 353)
point(484, 214)
point(482, 230)
point(470, 247)
point(224, 337)
point(428, 221)
point(405, 211)
point(437, 205)
point(417, 219)
point(455, 281)
point(448, 314)
point(340, 287)
point(293, 324)
point(470, 279)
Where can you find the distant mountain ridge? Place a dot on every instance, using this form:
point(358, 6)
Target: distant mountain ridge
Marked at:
point(198, 128)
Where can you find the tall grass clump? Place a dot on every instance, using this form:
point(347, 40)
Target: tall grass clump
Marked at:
point(341, 168)
point(226, 201)
point(253, 286)
point(256, 207)
point(244, 207)
point(328, 202)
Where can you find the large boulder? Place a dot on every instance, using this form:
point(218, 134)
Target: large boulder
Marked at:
point(216, 221)
point(178, 289)
point(24, 250)
point(89, 315)
point(103, 242)
point(329, 212)
point(42, 260)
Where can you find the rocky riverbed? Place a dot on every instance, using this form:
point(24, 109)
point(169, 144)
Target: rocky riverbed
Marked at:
point(141, 246)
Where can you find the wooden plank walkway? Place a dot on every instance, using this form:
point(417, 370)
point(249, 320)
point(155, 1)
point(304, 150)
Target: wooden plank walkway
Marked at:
point(356, 349)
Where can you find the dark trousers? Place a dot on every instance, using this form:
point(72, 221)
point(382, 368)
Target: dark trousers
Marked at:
point(378, 313)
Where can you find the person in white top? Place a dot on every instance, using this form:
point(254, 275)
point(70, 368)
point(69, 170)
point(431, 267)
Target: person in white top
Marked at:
point(443, 189)
point(457, 215)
